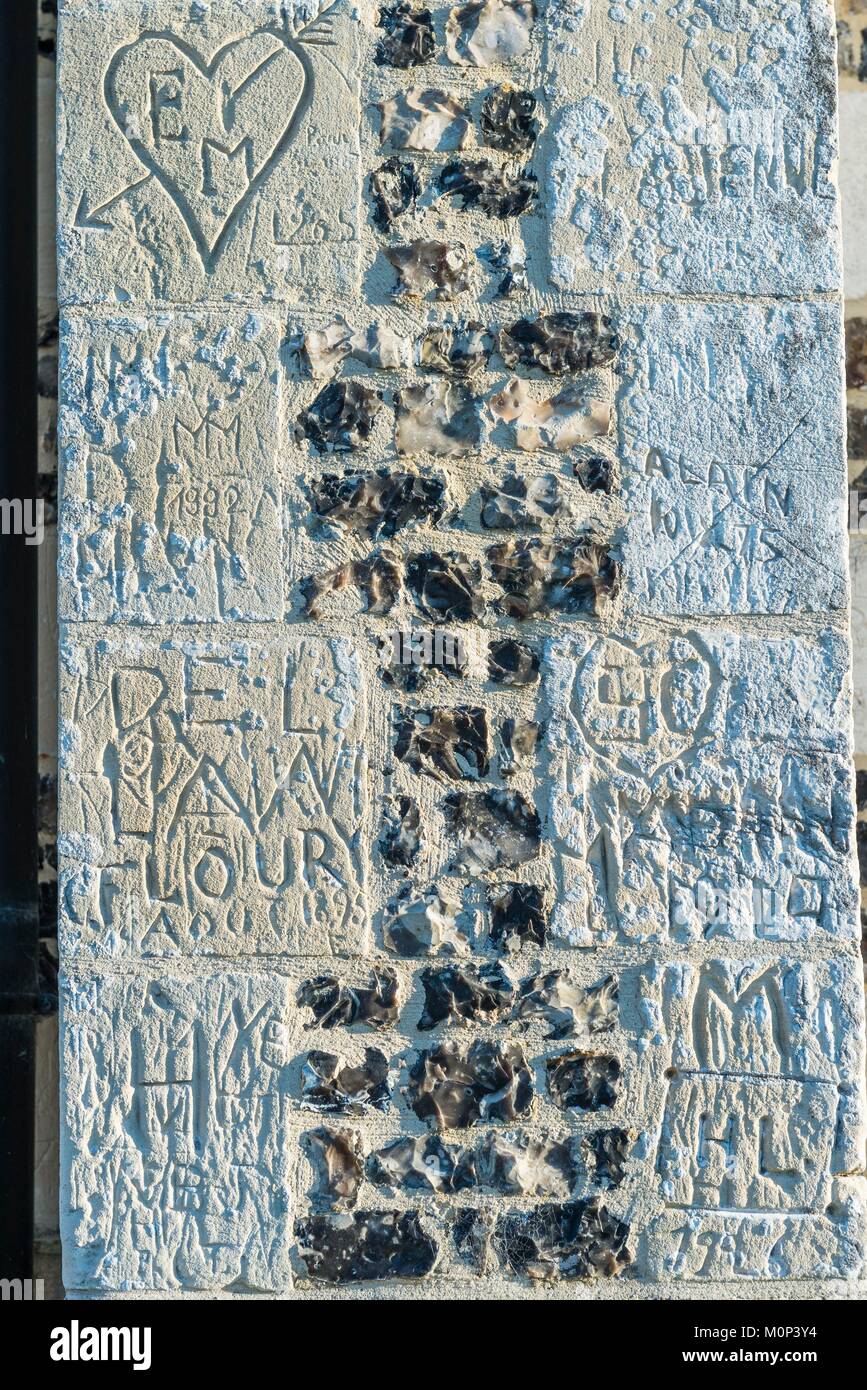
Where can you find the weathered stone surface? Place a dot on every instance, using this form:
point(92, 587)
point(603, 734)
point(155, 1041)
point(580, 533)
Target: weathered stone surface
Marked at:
point(713, 800)
point(767, 1205)
point(179, 1084)
point(202, 152)
point(456, 867)
point(214, 797)
point(679, 176)
point(733, 481)
point(171, 496)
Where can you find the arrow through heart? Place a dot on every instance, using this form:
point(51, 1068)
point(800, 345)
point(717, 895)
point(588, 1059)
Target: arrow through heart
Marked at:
point(208, 132)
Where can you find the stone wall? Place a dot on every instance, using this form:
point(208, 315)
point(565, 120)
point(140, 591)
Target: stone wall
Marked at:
point(456, 796)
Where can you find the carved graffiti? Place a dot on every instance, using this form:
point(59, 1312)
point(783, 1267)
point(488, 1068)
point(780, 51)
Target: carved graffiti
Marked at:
point(221, 800)
point(681, 806)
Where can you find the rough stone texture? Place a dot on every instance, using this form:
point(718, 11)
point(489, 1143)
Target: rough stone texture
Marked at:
point(457, 827)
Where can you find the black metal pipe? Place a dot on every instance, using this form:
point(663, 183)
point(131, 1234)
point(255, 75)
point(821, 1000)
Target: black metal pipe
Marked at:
point(19, 925)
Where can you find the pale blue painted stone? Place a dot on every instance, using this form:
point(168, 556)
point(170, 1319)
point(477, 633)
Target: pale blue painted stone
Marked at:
point(731, 434)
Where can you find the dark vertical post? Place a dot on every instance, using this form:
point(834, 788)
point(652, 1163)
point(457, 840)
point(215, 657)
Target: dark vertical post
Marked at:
point(18, 591)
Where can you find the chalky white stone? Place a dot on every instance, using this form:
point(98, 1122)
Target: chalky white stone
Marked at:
point(456, 812)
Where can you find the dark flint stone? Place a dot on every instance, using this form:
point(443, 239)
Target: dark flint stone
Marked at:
point(367, 1245)
point(520, 739)
point(565, 1007)
point(378, 579)
point(472, 1232)
point(517, 501)
point(430, 265)
point(457, 1087)
point(410, 659)
point(508, 119)
point(377, 504)
point(558, 343)
point(334, 1003)
point(519, 914)
point(512, 663)
point(341, 417)
point(595, 474)
point(335, 1156)
point(394, 187)
point(583, 1080)
point(464, 993)
point(497, 192)
point(510, 1162)
point(856, 341)
point(441, 417)
point(445, 586)
point(570, 576)
point(455, 349)
point(519, 1164)
point(338, 1087)
point(415, 1164)
point(400, 838)
point(572, 1240)
point(450, 743)
point(425, 925)
point(856, 432)
point(496, 829)
point(509, 257)
point(409, 40)
point(605, 1153)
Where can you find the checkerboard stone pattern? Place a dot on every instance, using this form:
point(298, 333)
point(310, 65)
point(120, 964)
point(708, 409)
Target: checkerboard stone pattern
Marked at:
point(457, 816)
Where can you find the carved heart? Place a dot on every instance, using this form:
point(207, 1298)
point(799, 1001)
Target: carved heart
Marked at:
point(209, 132)
point(644, 706)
